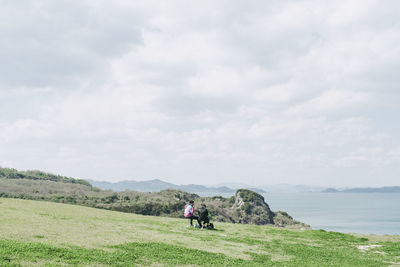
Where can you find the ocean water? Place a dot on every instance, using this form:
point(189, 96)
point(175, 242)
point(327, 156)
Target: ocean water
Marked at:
point(369, 213)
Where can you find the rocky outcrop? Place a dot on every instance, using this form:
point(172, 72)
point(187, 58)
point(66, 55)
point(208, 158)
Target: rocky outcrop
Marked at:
point(248, 207)
point(282, 219)
point(251, 208)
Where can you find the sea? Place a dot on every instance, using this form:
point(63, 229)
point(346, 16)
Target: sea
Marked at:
point(365, 213)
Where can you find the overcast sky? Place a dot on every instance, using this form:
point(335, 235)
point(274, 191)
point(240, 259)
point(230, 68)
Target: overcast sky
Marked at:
point(206, 92)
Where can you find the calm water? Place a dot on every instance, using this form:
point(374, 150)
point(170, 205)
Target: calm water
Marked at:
point(342, 212)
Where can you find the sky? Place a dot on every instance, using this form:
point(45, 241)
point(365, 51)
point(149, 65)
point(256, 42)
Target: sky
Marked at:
point(204, 92)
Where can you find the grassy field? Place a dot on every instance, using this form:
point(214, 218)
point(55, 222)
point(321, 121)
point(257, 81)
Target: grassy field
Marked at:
point(52, 234)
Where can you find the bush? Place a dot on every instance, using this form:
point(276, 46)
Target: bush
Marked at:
point(250, 196)
point(246, 207)
point(39, 175)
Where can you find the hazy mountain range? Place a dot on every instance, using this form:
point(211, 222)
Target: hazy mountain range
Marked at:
point(386, 189)
point(158, 185)
point(277, 188)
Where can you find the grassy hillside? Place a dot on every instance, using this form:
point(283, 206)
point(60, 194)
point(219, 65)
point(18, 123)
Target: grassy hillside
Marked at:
point(11, 173)
point(45, 233)
point(169, 203)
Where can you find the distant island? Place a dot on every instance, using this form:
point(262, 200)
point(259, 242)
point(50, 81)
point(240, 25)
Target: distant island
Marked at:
point(386, 189)
point(157, 185)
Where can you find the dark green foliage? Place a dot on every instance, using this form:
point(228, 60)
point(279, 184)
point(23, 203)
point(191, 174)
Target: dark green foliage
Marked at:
point(246, 207)
point(284, 213)
point(250, 196)
point(111, 199)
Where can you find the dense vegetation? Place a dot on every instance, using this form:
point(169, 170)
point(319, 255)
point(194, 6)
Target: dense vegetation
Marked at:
point(53, 234)
point(38, 175)
point(250, 196)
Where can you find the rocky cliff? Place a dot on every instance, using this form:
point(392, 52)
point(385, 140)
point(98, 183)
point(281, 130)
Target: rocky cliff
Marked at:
point(248, 207)
point(251, 208)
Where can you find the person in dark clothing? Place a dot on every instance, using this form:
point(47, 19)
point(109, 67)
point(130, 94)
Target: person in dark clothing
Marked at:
point(189, 213)
point(203, 215)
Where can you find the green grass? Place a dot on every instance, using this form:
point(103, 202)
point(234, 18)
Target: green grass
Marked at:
point(130, 254)
point(52, 234)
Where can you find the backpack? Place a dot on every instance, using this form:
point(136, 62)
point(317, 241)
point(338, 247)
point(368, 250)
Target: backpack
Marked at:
point(188, 211)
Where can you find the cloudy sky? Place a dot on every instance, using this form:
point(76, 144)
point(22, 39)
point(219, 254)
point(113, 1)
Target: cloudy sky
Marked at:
point(258, 92)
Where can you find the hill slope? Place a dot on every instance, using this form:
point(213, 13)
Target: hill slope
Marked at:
point(244, 207)
point(37, 232)
point(9, 173)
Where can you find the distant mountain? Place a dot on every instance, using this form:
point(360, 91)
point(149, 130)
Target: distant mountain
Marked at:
point(231, 185)
point(276, 188)
point(386, 189)
point(330, 190)
point(142, 186)
point(158, 185)
point(289, 188)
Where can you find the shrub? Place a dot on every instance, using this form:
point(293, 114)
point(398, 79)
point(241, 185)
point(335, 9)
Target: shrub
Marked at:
point(250, 196)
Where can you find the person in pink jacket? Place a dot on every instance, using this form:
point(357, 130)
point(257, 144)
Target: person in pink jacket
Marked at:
point(189, 213)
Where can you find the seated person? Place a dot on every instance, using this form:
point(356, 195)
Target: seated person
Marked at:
point(203, 212)
point(189, 213)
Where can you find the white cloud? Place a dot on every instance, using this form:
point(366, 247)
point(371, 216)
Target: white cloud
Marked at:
point(333, 100)
point(278, 91)
point(26, 129)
